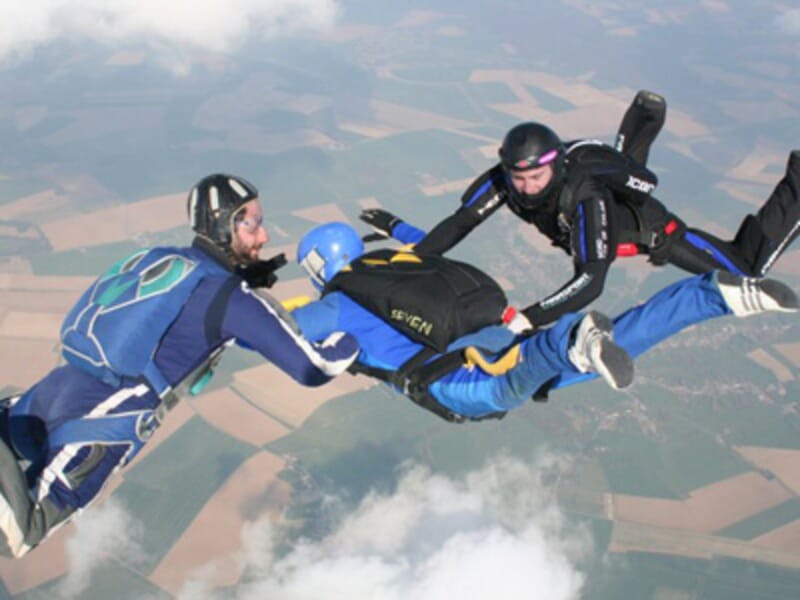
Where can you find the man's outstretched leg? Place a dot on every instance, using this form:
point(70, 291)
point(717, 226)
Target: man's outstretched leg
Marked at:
point(764, 238)
point(691, 301)
point(574, 344)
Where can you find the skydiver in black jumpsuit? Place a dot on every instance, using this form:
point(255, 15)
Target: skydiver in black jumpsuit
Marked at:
point(594, 201)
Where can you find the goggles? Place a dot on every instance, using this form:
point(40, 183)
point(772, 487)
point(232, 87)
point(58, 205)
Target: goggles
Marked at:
point(534, 161)
point(314, 265)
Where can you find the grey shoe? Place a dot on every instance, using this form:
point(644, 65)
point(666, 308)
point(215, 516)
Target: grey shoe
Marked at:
point(747, 296)
point(594, 351)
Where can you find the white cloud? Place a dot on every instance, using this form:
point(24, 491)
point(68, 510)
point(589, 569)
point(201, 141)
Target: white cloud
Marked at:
point(172, 28)
point(101, 532)
point(789, 22)
point(496, 533)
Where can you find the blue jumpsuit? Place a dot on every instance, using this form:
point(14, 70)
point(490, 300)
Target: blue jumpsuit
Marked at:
point(471, 392)
point(60, 474)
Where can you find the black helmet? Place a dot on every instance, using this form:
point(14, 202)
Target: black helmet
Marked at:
point(528, 146)
point(212, 204)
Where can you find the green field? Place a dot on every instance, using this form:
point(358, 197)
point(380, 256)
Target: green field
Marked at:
point(117, 579)
point(763, 522)
point(168, 488)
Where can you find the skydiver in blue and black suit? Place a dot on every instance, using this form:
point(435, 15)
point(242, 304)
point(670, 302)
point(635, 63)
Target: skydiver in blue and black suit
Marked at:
point(153, 325)
point(421, 338)
point(594, 202)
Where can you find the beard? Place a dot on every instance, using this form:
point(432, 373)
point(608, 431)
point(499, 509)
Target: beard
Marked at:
point(244, 255)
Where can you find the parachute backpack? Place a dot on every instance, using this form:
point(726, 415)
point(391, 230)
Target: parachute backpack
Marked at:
point(431, 299)
point(115, 329)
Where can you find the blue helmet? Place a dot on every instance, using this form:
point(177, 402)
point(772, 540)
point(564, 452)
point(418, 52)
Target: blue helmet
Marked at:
point(327, 249)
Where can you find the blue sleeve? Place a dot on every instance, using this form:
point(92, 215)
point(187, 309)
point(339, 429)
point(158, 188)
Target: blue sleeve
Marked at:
point(407, 233)
point(318, 319)
point(676, 307)
point(257, 325)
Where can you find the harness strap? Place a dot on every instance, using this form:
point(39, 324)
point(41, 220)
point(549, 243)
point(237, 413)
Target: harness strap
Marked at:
point(133, 428)
point(416, 374)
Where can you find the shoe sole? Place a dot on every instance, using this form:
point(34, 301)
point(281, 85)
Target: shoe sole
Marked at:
point(613, 363)
point(780, 293)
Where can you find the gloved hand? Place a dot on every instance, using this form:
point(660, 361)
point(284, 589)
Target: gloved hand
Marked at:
point(262, 273)
point(380, 220)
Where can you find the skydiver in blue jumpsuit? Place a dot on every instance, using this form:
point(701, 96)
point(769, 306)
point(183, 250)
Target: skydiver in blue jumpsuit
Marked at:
point(594, 202)
point(178, 308)
point(574, 349)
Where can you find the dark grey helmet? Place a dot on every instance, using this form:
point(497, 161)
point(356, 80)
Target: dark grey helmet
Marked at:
point(212, 204)
point(529, 146)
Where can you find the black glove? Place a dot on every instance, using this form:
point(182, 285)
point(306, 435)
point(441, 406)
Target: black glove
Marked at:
point(262, 273)
point(380, 220)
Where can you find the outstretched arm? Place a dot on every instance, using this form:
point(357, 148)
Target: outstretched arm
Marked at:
point(483, 197)
point(591, 252)
point(258, 325)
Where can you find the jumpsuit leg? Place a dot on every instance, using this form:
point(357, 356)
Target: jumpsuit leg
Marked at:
point(676, 307)
point(640, 125)
point(23, 521)
point(473, 393)
point(760, 241)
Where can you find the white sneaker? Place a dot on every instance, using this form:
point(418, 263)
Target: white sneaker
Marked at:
point(594, 351)
point(747, 296)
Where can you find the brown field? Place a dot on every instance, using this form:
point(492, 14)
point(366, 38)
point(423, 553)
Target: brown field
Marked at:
point(372, 131)
point(38, 326)
point(117, 223)
point(790, 352)
point(765, 359)
point(32, 301)
point(786, 538)
point(48, 283)
point(278, 395)
point(749, 193)
point(368, 202)
point(227, 411)
point(598, 111)
point(708, 508)
point(322, 213)
point(634, 537)
point(784, 464)
point(25, 361)
point(755, 166)
point(210, 545)
point(411, 119)
point(31, 205)
point(445, 188)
